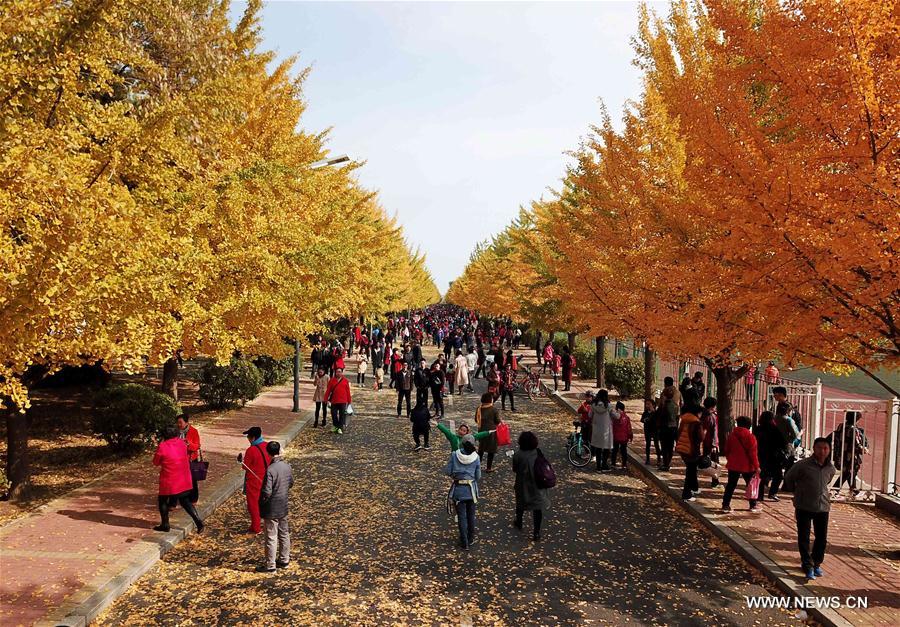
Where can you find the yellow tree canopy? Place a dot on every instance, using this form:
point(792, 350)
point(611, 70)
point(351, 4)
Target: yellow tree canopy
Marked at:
point(156, 195)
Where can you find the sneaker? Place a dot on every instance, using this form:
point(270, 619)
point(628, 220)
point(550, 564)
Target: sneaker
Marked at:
point(810, 573)
point(690, 500)
point(340, 432)
point(264, 569)
point(334, 429)
point(427, 448)
point(756, 509)
point(282, 564)
point(773, 497)
point(715, 483)
point(818, 572)
point(536, 537)
point(726, 510)
point(418, 448)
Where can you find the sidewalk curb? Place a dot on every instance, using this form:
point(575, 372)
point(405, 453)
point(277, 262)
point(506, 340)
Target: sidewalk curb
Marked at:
point(84, 606)
point(742, 547)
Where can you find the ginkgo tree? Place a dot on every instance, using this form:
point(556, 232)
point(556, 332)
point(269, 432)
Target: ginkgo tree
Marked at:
point(156, 197)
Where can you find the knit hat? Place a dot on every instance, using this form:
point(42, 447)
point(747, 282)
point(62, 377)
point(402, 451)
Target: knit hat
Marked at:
point(468, 438)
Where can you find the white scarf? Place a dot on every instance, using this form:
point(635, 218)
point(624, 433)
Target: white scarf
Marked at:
point(464, 458)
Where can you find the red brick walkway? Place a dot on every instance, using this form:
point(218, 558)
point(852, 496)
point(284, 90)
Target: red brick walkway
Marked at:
point(60, 555)
point(863, 543)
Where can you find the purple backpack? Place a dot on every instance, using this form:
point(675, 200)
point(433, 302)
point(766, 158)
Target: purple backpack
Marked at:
point(544, 475)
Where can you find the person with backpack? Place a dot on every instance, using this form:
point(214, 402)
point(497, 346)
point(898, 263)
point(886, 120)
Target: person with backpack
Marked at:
point(273, 506)
point(529, 495)
point(464, 467)
point(651, 436)
point(743, 461)
point(255, 461)
point(421, 424)
point(689, 443)
point(667, 425)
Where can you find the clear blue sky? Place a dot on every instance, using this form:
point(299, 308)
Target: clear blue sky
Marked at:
point(462, 111)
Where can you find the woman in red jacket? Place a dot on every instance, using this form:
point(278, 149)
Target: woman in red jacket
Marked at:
point(740, 449)
point(338, 394)
point(174, 478)
point(191, 437)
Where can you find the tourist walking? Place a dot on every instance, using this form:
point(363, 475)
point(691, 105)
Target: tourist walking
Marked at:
point(404, 389)
point(809, 480)
point(850, 444)
point(436, 383)
point(273, 506)
point(667, 426)
point(255, 461)
point(464, 467)
point(773, 455)
point(488, 419)
point(568, 366)
point(174, 478)
point(651, 434)
point(461, 371)
point(689, 443)
point(320, 384)
point(361, 367)
point(743, 461)
point(507, 386)
point(338, 394)
point(529, 497)
point(709, 420)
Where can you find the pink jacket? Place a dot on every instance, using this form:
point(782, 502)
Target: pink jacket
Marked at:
point(175, 469)
point(621, 428)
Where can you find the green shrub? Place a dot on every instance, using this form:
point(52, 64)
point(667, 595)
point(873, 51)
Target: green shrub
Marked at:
point(274, 371)
point(626, 376)
point(586, 357)
point(229, 385)
point(129, 416)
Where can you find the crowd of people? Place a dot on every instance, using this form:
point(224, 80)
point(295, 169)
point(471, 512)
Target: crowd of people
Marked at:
point(682, 420)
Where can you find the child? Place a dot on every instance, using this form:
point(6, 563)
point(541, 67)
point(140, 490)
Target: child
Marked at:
point(648, 419)
point(461, 431)
point(584, 414)
point(622, 434)
point(421, 424)
point(361, 368)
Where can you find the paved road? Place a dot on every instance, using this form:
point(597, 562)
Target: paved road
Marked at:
point(373, 545)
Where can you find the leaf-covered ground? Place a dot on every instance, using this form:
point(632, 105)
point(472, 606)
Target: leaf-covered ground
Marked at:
point(373, 545)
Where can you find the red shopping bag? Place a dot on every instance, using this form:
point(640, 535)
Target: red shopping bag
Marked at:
point(752, 492)
point(503, 438)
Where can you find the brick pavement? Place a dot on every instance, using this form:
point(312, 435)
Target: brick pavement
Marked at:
point(863, 557)
point(69, 553)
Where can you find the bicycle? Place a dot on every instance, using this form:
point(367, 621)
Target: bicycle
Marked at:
point(531, 383)
point(577, 450)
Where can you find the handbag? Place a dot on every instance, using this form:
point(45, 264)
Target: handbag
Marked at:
point(349, 409)
point(503, 438)
point(199, 468)
point(752, 492)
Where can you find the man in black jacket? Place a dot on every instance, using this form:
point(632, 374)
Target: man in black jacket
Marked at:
point(420, 379)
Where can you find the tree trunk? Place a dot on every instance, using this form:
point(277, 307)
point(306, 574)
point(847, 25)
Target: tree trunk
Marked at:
point(649, 372)
point(726, 378)
point(600, 342)
point(572, 337)
point(537, 346)
point(17, 462)
point(170, 378)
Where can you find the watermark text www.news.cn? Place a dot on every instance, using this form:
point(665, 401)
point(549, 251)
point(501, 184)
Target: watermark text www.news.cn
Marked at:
point(807, 603)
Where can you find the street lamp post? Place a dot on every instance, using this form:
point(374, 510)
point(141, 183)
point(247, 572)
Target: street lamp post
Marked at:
point(314, 166)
